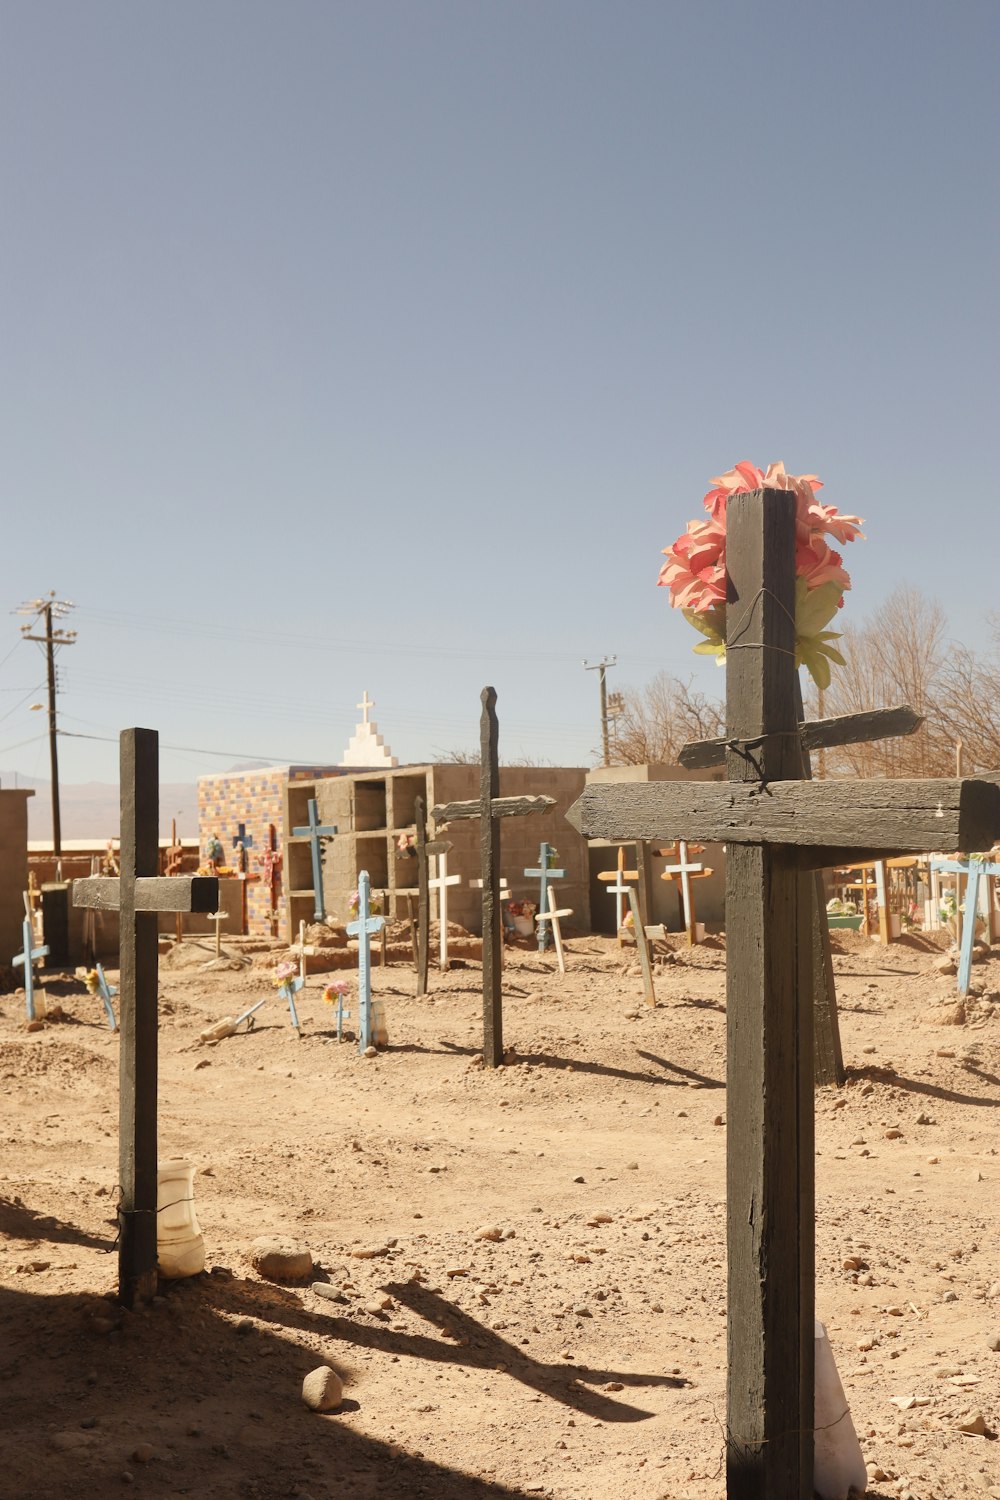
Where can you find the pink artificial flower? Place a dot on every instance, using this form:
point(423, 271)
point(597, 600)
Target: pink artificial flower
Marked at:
point(695, 571)
point(817, 564)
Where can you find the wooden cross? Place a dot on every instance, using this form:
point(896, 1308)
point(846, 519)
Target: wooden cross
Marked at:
point(315, 831)
point(271, 871)
point(97, 984)
point(685, 870)
point(218, 917)
point(619, 890)
point(425, 848)
point(489, 809)
point(440, 884)
point(363, 929)
point(138, 895)
point(27, 958)
point(775, 826)
point(642, 946)
point(546, 871)
point(820, 734)
point(552, 916)
point(976, 869)
point(173, 864)
point(303, 950)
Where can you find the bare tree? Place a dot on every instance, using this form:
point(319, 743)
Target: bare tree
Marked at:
point(656, 722)
point(969, 703)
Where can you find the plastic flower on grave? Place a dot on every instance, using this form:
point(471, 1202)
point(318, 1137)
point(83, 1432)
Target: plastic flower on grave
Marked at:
point(335, 991)
point(406, 843)
point(695, 570)
point(522, 908)
point(374, 903)
point(92, 980)
point(283, 973)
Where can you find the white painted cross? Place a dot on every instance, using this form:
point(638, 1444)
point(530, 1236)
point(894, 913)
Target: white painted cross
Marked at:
point(685, 868)
point(619, 889)
point(552, 915)
point(218, 917)
point(440, 883)
point(365, 704)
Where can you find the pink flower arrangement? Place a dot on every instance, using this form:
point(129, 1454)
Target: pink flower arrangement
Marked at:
point(335, 990)
point(283, 972)
point(695, 570)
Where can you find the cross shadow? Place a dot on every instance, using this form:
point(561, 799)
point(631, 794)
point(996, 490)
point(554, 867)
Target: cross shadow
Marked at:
point(473, 1345)
point(685, 1073)
point(932, 1090)
point(20, 1222)
point(703, 1004)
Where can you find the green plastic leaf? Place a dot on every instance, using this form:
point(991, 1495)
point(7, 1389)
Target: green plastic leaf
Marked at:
point(815, 608)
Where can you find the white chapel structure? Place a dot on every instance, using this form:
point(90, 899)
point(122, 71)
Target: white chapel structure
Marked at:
point(367, 749)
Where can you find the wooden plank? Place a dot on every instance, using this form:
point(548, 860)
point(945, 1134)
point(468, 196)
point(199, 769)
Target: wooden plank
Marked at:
point(139, 774)
point(818, 734)
point(423, 918)
point(503, 807)
point(769, 1147)
point(642, 946)
point(159, 893)
point(644, 870)
point(904, 816)
point(489, 847)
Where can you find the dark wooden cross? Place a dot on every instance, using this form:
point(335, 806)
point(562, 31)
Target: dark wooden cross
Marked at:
point(425, 848)
point(138, 896)
point(489, 809)
point(820, 734)
point(775, 826)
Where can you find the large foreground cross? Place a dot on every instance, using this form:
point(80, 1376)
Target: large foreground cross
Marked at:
point(775, 826)
point(138, 896)
point(489, 809)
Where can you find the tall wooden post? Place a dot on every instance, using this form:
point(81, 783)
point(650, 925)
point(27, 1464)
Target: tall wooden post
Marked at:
point(423, 915)
point(139, 771)
point(769, 1156)
point(489, 845)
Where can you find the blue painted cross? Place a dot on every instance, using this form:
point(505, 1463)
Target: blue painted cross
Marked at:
point(342, 1016)
point(316, 831)
point(363, 929)
point(975, 868)
point(242, 837)
point(27, 958)
point(107, 992)
point(547, 857)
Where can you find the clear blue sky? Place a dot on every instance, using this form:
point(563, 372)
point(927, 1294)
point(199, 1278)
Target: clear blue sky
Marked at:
point(384, 345)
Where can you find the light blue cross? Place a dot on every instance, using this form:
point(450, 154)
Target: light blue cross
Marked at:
point(27, 958)
point(107, 992)
point(544, 874)
point(363, 929)
point(975, 868)
point(316, 831)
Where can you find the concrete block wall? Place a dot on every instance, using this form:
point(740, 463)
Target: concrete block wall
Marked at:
point(257, 799)
point(13, 868)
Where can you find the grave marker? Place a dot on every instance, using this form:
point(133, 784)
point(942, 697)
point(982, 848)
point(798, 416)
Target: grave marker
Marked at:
point(619, 889)
point(218, 917)
point(363, 929)
point(138, 895)
point(27, 957)
point(774, 827)
point(440, 883)
point(553, 917)
point(425, 848)
point(489, 809)
point(685, 870)
point(96, 982)
point(315, 831)
point(303, 950)
point(545, 872)
point(976, 870)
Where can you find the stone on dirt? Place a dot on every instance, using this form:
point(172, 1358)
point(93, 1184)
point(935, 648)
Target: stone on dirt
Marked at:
point(280, 1260)
point(322, 1389)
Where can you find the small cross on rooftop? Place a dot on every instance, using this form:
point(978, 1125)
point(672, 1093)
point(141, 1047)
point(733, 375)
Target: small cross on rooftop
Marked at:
point(365, 704)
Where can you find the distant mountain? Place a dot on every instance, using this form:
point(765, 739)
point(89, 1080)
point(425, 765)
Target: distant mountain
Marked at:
point(90, 810)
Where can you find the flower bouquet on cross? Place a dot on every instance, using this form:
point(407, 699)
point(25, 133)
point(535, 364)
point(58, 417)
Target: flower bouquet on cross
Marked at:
point(695, 570)
point(283, 972)
point(336, 990)
point(406, 844)
point(374, 903)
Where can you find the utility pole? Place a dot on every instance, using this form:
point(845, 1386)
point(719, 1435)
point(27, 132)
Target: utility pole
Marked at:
point(602, 667)
point(51, 609)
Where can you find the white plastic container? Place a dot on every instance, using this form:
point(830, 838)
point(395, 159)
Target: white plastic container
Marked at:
point(180, 1248)
point(838, 1463)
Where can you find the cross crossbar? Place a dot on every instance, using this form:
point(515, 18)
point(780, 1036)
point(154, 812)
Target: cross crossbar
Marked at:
point(183, 893)
point(818, 734)
point(500, 807)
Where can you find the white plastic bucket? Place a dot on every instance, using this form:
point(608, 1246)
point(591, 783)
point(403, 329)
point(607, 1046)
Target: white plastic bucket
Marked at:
point(180, 1248)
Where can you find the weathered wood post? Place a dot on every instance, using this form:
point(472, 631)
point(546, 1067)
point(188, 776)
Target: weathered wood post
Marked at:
point(769, 1088)
point(139, 895)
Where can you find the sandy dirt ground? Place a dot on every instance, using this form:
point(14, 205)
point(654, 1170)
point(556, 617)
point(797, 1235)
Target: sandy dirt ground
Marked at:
point(576, 1352)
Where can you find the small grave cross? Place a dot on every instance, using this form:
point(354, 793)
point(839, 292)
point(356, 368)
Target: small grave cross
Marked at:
point(685, 870)
point(303, 950)
point(27, 958)
point(440, 883)
point(218, 917)
point(552, 916)
point(489, 808)
point(619, 889)
point(425, 848)
point(363, 929)
point(315, 831)
point(139, 895)
point(977, 869)
point(546, 871)
point(97, 983)
point(776, 825)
